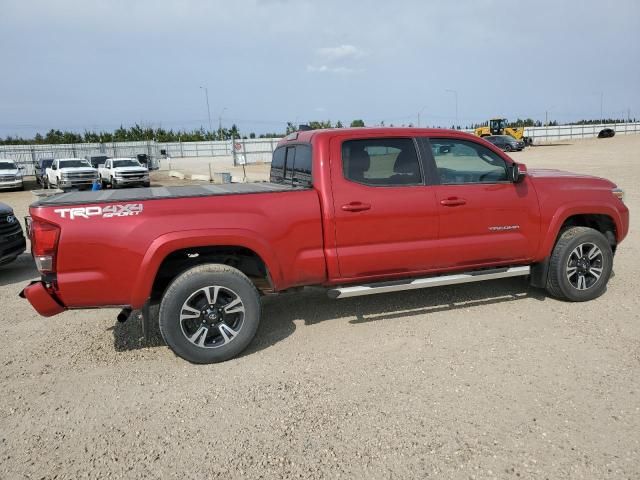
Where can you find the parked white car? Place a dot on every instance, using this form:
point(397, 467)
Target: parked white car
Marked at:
point(10, 175)
point(70, 173)
point(123, 172)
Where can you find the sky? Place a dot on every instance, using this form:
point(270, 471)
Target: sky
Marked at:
point(94, 65)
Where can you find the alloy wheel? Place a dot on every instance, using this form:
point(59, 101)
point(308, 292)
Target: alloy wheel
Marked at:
point(584, 266)
point(212, 316)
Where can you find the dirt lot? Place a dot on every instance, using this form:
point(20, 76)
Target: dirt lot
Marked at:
point(490, 380)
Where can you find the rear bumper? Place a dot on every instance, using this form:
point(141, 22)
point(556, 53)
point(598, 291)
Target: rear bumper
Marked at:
point(40, 299)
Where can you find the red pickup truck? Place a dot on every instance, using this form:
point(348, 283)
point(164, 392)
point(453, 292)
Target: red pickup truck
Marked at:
point(358, 211)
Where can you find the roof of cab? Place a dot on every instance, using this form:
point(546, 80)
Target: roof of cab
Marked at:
point(306, 136)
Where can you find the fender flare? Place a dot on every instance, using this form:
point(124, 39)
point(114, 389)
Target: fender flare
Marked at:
point(576, 208)
point(165, 244)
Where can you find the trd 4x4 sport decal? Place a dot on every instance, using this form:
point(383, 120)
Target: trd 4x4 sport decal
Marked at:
point(108, 211)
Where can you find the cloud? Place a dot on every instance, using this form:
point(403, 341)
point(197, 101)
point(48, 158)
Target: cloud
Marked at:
point(330, 69)
point(340, 52)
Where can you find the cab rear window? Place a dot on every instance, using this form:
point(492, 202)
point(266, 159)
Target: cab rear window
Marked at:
point(291, 165)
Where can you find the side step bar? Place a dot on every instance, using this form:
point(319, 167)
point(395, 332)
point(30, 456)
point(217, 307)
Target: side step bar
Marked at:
point(412, 284)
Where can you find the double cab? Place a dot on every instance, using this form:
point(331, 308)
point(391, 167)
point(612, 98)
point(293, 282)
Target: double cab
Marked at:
point(356, 211)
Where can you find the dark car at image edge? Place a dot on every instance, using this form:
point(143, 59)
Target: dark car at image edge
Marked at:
point(12, 241)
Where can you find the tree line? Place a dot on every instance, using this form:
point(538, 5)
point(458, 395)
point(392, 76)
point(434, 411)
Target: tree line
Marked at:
point(138, 133)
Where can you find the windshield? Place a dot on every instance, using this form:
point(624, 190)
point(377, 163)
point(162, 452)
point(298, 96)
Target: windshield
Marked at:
point(74, 163)
point(7, 166)
point(129, 162)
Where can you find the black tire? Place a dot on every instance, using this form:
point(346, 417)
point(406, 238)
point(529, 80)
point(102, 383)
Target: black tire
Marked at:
point(147, 184)
point(558, 283)
point(215, 345)
point(507, 148)
point(114, 183)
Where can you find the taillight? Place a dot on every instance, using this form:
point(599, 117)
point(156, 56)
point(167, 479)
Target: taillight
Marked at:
point(44, 244)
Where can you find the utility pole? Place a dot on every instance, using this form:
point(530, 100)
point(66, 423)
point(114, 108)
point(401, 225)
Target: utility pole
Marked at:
point(206, 93)
point(546, 118)
point(455, 93)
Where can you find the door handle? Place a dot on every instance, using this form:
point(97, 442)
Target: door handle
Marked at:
point(453, 202)
point(356, 207)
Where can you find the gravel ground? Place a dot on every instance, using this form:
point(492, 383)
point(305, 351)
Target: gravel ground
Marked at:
point(491, 380)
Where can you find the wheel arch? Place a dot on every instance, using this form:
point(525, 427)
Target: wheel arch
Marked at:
point(601, 217)
point(602, 222)
point(173, 253)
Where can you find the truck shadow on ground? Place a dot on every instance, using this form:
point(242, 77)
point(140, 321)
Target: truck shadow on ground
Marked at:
point(312, 306)
point(19, 271)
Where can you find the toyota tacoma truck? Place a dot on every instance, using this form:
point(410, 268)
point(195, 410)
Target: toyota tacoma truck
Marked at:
point(123, 172)
point(357, 211)
point(67, 173)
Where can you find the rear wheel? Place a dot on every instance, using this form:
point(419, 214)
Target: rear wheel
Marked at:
point(580, 265)
point(210, 313)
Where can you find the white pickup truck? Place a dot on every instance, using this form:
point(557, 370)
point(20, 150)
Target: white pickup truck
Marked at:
point(70, 173)
point(123, 172)
point(10, 175)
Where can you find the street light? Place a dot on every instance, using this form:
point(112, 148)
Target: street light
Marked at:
point(206, 93)
point(455, 93)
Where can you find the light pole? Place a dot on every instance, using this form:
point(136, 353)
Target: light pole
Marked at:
point(419, 113)
point(455, 93)
point(546, 116)
point(206, 93)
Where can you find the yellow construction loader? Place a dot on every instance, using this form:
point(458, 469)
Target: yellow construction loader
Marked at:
point(499, 126)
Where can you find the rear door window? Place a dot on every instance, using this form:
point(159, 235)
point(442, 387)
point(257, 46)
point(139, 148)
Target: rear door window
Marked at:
point(381, 162)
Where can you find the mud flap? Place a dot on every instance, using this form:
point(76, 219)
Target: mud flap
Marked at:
point(539, 274)
point(145, 318)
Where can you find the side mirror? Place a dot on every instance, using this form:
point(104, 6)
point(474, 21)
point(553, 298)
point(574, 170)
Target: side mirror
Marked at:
point(517, 172)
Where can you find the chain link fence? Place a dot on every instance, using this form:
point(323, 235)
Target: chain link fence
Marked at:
point(244, 151)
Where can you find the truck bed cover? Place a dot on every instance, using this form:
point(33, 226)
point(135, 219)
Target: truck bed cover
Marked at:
point(161, 193)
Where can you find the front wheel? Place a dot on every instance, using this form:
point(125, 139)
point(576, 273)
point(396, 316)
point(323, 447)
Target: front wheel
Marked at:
point(580, 265)
point(210, 313)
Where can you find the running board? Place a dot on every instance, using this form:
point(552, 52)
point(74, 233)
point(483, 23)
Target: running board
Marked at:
point(400, 285)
